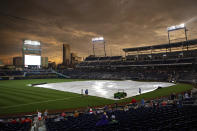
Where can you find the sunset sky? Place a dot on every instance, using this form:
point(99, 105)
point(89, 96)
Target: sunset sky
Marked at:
point(122, 23)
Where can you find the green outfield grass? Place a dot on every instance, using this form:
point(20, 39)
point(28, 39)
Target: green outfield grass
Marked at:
point(17, 97)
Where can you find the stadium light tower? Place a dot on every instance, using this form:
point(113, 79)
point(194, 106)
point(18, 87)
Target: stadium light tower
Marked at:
point(98, 40)
point(177, 27)
point(174, 28)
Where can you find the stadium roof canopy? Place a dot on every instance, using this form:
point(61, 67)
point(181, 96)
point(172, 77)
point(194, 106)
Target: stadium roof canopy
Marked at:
point(163, 46)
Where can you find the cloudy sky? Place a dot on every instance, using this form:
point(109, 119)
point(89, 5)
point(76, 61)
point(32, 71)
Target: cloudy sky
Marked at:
point(123, 24)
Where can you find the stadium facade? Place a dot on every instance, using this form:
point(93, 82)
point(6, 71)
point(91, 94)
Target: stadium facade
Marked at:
point(165, 62)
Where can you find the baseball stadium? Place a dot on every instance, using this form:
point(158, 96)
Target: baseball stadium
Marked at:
point(150, 87)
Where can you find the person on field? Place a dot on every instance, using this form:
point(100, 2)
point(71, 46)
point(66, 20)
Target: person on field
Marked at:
point(140, 91)
point(86, 91)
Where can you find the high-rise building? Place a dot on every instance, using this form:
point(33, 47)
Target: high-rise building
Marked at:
point(44, 62)
point(75, 59)
point(18, 61)
point(66, 54)
point(1, 63)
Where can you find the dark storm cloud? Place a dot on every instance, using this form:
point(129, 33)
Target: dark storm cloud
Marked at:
point(123, 23)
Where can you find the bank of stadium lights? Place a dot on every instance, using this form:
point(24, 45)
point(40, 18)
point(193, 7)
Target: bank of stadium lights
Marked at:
point(30, 42)
point(176, 27)
point(98, 39)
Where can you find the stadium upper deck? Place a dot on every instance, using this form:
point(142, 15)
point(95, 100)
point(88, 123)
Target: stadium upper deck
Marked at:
point(184, 45)
point(182, 49)
point(174, 54)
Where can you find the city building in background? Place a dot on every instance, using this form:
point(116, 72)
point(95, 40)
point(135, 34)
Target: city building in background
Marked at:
point(18, 61)
point(51, 65)
point(75, 59)
point(66, 54)
point(1, 64)
point(44, 62)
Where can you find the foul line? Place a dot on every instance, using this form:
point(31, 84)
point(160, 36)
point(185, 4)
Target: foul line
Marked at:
point(38, 102)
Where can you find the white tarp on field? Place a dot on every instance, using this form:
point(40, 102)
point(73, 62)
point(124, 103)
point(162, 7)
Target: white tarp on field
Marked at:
point(106, 88)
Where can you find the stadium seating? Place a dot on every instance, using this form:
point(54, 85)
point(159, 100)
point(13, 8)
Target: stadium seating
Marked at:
point(106, 58)
point(6, 126)
point(177, 61)
point(160, 118)
point(40, 74)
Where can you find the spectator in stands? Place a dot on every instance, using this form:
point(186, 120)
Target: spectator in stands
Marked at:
point(142, 102)
point(172, 97)
point(13, 121)
point(58, 118)
point(126, 108)
point(35, 124)
point(1, 120)
point(20, 120)
point(90, 111)
point(150, 104)
point(63, 114)
point(189, 94)
point(179, 104)
point(28, 120)
point(45, 114)
point(39, 115)
point(113, 119)
point(180, 97)
point(164, 103)
point(116, 105)
point(110, 108)
point(154, 104)
point(23, 120)
point(98, 111)
point(87, 109)
point(133, 102)
point(103, 121)
point(76, 114)
point(105, 108)
point(174, 103)
point(186, 95)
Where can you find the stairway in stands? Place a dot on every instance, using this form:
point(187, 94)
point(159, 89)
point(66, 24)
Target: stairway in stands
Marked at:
point(60, 74)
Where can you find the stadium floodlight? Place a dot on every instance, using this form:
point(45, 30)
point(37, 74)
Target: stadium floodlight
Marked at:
point(98, 39)
point(30, 42)
point(176, 27)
